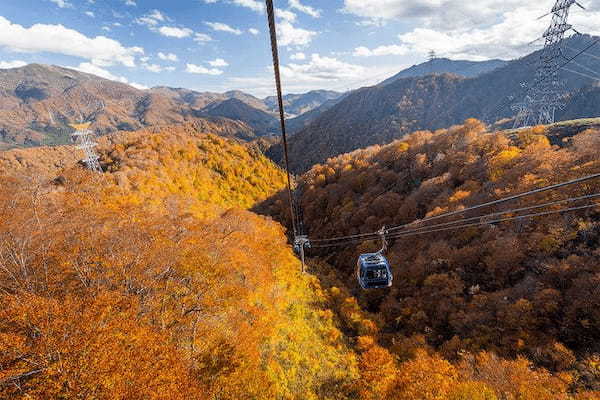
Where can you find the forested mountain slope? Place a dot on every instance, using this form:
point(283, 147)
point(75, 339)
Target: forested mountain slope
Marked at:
point(380, 114)
point(37, 103)
point(518, 289)
point(46, 162)
point(152, 281)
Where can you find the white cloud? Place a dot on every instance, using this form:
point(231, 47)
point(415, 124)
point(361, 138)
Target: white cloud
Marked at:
point(130, 3)
point(168, 57)
point(103, 73)
point(157, 68)
point(441, 13)
point(12, 64)
point(253, 31)
point(285, 15)
point(466, 29)
point(219, 26)
point(198, 69)
point(144, 20)
point(254, 5)
point(318, 73)
point(172, 31)
point(321, 68)
point(219, 62)
point(298, 56)
point(202, 37)
point(90, 14)
point(90, 68)
point(157, 15)
point(481, 43)
point(289, 35)
point(138, 86)
point(391, 50)
point(62, 3)
point(151, 19)
point(153, 67)
point(60, 40)
point(295, 4)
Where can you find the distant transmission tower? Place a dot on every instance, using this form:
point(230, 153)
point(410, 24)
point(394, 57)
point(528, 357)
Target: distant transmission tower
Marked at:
point(544, 96)
point(432, 55)
point(84, 138)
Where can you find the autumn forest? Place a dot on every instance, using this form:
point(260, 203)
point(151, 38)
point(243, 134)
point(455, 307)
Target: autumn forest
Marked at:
point(171, 276)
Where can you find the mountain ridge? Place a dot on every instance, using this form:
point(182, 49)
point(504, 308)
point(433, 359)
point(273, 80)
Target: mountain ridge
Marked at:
point(37, 103)
point(468, 69)
point(382, 113)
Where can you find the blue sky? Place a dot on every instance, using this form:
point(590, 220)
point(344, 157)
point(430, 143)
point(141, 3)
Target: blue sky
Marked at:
point(218, 45)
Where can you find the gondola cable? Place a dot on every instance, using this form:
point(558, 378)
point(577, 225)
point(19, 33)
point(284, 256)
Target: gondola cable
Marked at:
point(504, 200)
point(462, 211)
point(486, 223)
point(482, 217)
point(500, 220)
point(300, 239)
point(275, 53)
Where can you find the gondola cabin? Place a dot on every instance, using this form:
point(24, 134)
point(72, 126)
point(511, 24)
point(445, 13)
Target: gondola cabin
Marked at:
point(373, 271)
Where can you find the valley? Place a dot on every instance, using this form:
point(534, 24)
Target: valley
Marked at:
point(166, 251)
point(180, 197)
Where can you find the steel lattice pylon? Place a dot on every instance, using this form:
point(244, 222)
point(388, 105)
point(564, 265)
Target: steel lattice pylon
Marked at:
point(84, 138)
point(544, 96)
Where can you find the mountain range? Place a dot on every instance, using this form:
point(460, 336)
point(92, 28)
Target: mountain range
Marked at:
point(382, 113)
point(37, 102)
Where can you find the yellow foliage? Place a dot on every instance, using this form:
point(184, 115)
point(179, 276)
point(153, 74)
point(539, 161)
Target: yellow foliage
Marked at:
point(424, 378)
point(502, 161)
point(459, 195)
point(472, 391)
point(149, 289)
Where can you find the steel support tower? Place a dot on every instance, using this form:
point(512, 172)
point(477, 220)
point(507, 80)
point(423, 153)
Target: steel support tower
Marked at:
point(544, 96)
point(84, 138)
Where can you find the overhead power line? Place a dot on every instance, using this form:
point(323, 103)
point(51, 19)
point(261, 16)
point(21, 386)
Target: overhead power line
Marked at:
point(590, 70)
point(504, 200)
point(581, 74)
point(510, 99)
point(504, 212)
point(587, 54)
point(462, 211)
point(496, 221)
point(542, 100)
point(434, 229)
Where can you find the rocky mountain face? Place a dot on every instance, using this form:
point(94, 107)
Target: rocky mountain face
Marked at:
point(382, 113)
